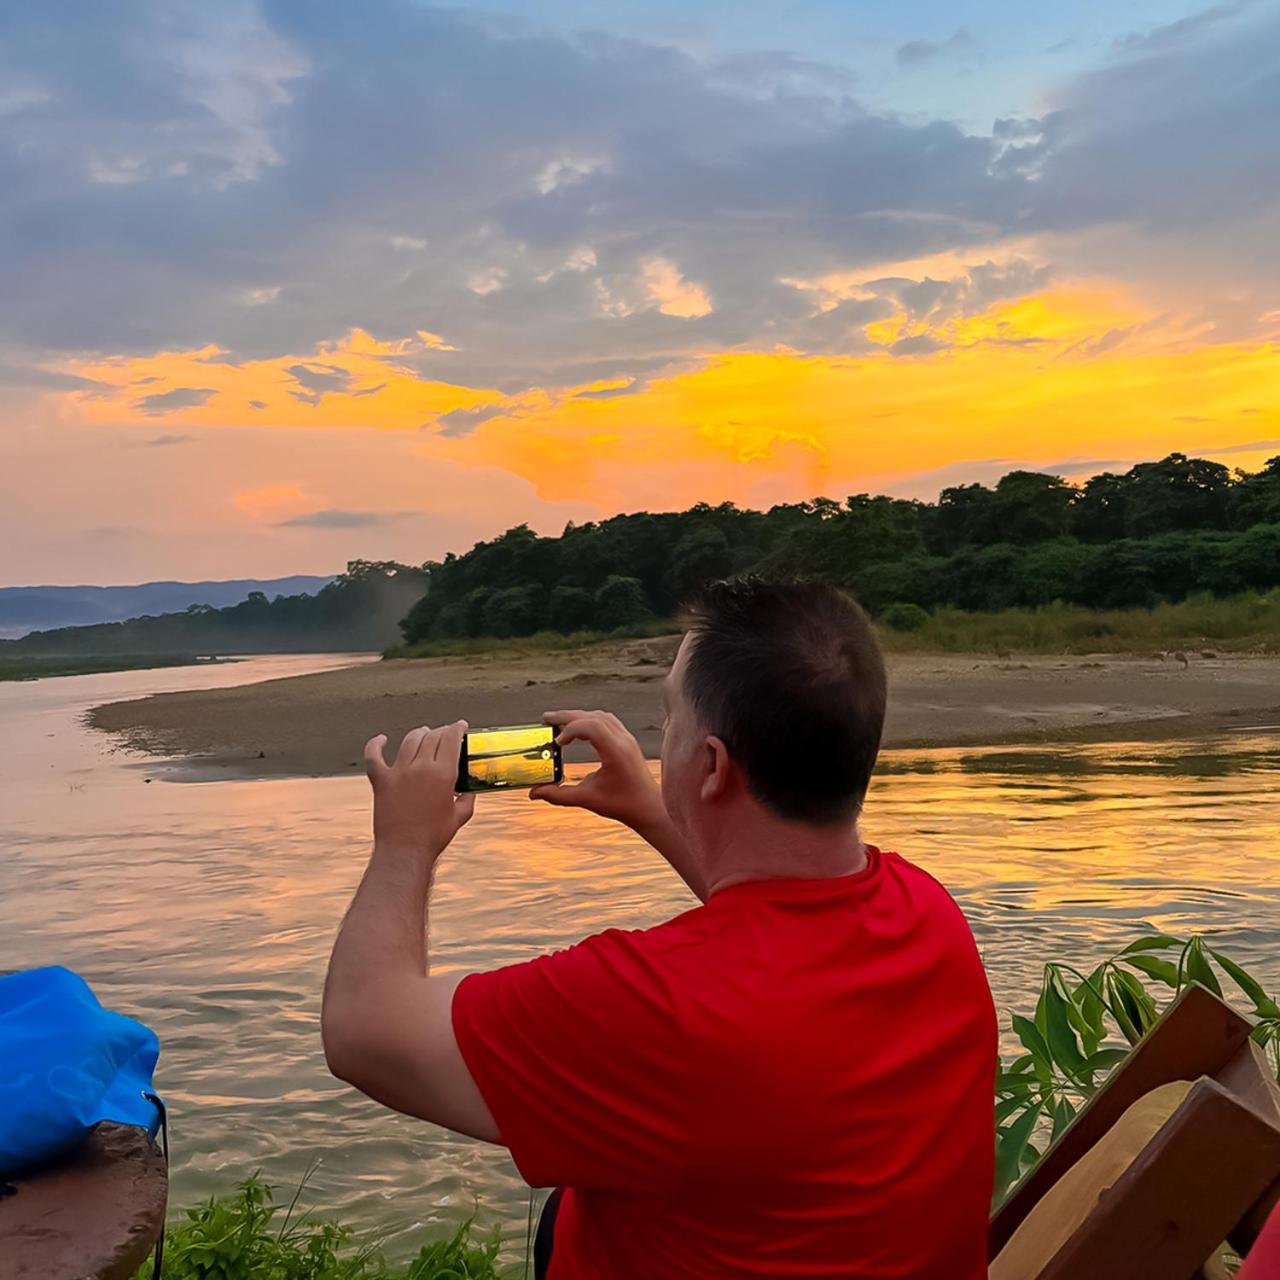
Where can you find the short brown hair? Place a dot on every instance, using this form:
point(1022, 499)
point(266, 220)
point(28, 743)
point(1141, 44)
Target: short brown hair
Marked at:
point(790, 677)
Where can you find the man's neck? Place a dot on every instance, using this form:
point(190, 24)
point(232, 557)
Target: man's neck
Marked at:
point(770, 849)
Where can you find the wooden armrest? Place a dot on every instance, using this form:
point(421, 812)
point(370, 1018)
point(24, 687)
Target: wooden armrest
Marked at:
point(1197, 1035)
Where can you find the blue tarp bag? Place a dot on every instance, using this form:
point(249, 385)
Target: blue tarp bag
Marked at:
point(67, 1064)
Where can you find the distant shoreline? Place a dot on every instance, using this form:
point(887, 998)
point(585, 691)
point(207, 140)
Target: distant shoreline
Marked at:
point(316, 725)
point(51, 667)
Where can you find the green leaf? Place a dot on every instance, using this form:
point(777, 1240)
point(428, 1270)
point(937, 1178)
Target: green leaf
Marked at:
point(1088, 995)
point(1105, 1060)
point(1162, 970)
point(1041, 1058)
point(1154, 942)
point(1123, 1007)
point(1265, 1006)
point(1011, 1142)
point(1061, 1036)
point(1198, 968)
point(1006, 1107)
point(1063, 1114)
point(1144, 1006)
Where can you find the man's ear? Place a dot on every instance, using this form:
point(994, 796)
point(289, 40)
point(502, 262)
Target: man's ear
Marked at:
point(718, 769)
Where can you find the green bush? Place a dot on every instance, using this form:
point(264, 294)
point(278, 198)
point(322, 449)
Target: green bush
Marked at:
point(904, 617)
point(236, 1237)
point(620, 602)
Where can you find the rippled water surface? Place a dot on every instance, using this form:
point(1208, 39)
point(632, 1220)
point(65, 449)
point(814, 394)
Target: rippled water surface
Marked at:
point(207, 909)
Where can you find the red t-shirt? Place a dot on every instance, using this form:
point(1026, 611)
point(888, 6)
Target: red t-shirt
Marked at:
point(793, 1079)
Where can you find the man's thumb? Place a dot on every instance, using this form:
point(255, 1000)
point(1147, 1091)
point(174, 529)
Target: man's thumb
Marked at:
point(552, 793)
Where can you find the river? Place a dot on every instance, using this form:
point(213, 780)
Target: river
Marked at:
point(208, 908)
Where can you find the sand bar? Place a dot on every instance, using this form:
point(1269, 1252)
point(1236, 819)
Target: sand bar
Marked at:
point(316, 725)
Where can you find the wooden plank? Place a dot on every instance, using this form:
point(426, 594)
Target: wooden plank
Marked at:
point(1197, 1035)
point(93, 1216)
point(1181, 1196)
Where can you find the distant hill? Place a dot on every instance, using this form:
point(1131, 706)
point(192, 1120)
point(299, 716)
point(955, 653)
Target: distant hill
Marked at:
point(25, 609)
point(360, 609)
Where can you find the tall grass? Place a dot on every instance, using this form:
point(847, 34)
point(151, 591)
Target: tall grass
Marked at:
point(1245, 623)
point(540, 642)
point(1249, 622)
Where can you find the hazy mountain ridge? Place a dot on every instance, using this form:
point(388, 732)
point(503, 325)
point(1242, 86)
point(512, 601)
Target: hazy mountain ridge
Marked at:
point(38, 608)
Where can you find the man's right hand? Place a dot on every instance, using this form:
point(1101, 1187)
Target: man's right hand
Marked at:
point(622, 787)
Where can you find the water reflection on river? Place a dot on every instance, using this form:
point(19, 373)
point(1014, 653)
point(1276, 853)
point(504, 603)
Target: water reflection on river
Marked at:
point(208, 910)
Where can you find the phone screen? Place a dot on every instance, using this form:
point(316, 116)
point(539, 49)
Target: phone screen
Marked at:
point(512, 756)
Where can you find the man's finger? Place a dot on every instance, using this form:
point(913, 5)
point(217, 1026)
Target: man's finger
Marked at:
point(375, 763)
point(555, 793)
point(411, 743)
point(463, 808)
point(563, 717)
point(448, 744)
point(593, 729)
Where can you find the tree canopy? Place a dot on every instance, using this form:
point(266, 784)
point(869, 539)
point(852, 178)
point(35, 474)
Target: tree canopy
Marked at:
point(1159, 531)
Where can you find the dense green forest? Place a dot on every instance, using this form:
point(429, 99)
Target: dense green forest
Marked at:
point(1157, 533)
point(358, 610)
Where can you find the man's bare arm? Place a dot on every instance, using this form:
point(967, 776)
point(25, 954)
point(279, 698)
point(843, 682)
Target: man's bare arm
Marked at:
point(386, 1022)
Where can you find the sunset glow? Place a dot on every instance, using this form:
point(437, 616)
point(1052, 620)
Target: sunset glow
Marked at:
point(777, 294)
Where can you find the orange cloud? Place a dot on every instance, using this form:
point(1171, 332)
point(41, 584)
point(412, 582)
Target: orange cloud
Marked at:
point(355, 381)
point(1070, 371)
point(272, 502)
point(672, 294)
point(1065, 373)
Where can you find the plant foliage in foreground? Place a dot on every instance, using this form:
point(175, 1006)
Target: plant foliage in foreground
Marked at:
point(1084, 1026)
point(237, 1237)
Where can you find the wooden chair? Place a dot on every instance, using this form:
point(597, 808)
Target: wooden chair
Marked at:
point(1152, 1175)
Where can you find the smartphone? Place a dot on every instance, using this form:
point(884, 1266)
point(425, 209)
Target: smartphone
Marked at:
point(520, 755)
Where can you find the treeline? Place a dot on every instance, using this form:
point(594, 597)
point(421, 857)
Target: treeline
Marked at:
point(1159, 532)
point(358, 610)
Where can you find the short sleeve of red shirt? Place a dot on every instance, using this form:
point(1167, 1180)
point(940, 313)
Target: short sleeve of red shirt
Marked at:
point(572, 1053)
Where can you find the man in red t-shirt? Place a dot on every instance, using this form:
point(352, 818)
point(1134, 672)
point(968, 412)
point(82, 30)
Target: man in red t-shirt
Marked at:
point(793, 1078)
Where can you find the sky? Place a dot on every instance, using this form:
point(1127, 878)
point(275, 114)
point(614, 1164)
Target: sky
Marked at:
point(285, 284)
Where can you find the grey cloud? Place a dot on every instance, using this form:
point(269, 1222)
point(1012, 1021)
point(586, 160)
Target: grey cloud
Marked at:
point(771, 71)
point(257, 404)
point(461, 422)
point(158, 442)
point(178, 398)
point(317, 381)
point(663, 156)
point(917, 51)
point(1253, 446)
point(926, 485)
point(1188, 28)
point(918, 344)
point(337, 518)
point(674, 159)
point(33, 377)
point(611, 393)
point(1177, 134)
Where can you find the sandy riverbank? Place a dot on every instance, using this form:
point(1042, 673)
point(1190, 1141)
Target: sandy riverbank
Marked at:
point(317, 724)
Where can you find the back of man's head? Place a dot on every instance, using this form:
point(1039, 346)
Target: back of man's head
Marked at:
point(790, 677)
